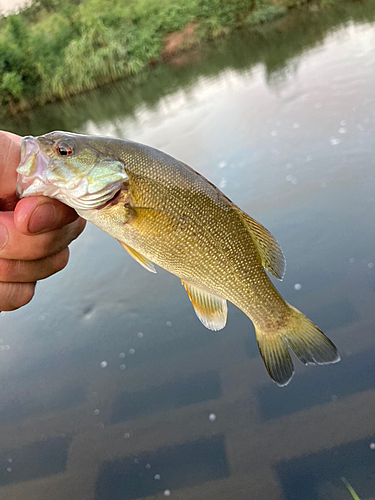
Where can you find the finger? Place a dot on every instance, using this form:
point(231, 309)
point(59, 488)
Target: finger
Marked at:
point(39, 214)
point(10, 156)
point(15, 295)
point(29, 271)
point(17, 246)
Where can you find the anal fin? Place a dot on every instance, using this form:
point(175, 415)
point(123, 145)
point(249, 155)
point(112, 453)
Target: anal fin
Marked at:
point(210, 309)
point(138, 257)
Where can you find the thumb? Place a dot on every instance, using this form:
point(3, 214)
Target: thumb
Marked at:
point(39, 214)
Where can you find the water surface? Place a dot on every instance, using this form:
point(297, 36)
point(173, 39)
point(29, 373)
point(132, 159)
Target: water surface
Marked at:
point(112, 389)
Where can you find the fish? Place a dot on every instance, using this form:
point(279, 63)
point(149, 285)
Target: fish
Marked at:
point(165, 213)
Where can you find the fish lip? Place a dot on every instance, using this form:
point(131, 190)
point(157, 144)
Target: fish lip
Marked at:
point(30, 169)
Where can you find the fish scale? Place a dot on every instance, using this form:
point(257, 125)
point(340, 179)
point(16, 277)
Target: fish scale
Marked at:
point(165, 213)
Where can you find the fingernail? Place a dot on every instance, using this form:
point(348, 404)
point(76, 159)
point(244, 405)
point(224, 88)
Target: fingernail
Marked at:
point(43, 218)
point(4, 236)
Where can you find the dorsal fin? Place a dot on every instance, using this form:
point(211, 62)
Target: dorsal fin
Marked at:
point(210, 309)
point(138, 257)
point(271, 255)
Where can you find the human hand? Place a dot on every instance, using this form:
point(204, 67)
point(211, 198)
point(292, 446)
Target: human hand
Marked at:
point(34, 232)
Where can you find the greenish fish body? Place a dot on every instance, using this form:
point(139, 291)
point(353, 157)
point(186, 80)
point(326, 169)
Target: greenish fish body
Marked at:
point(165, 213)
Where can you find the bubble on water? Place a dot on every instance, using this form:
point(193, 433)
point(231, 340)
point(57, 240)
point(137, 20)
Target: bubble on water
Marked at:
point(222, 164)
point(352, 260)
point(7, 347)
point(9, 469)
point(122, 367)
point(131, 351)
point(212, 417)
point(360, 127)
point(343, 130)
point(10, 460)
point(274, 133)
point(297, 286)
point(372, 446)
point(103, 364)
point(223, 182)
point(289, 178)
point(140, 335)
point(157, 477)
point(148, 466)
point(296, 125)
point(370, 265)
point(122, 355)
point(318, 105)
point(294, 181)
point(169, 323)
point(343, 123)
point(167, 493)
point(288, 165)
point(334, 397)
point(335, 141)
point(96, 412)
point(127, 435)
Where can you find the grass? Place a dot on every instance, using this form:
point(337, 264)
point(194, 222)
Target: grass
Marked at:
point(57, 48)
point(351, 491)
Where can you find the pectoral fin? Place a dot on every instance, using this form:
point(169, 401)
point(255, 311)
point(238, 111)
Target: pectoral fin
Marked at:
point(269, 250)
point(211, 310)
point(139, 258)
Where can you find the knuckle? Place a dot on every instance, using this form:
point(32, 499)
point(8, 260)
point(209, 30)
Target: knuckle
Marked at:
point(77, 227)
point(7, 269)
point(60, 260)
point(16, 295)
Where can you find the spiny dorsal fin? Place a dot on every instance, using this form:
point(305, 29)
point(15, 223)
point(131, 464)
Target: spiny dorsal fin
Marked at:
point(269, 250)
point(211, 310)
point(139, 258)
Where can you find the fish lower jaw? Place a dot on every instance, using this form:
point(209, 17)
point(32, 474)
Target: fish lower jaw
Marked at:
point(34, 187)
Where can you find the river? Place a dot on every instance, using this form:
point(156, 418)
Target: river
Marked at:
point(111, 389)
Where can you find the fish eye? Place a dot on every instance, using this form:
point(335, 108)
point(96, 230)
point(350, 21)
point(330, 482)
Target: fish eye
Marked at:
point(64, 149)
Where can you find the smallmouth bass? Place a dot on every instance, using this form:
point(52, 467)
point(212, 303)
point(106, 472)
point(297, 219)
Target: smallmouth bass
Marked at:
point(163, 212)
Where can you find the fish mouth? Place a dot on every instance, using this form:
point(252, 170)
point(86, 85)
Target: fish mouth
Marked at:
point(30, 170)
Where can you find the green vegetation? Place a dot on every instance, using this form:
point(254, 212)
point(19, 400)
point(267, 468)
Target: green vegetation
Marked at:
point(351, 491)
point(57, 48)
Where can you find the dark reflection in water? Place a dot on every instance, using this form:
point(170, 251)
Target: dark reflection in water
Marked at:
point(319, 475)
point(172, 395)
point(283, 120)
point(39, 459)
point(189, 464)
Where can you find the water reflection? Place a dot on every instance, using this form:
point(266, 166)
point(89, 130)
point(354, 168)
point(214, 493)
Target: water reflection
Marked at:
point(189, 464)
point(283, 120)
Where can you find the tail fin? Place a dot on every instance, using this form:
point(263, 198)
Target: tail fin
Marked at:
point(308, 343)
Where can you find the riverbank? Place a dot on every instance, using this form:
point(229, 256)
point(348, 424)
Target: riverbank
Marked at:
point(58, 48)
